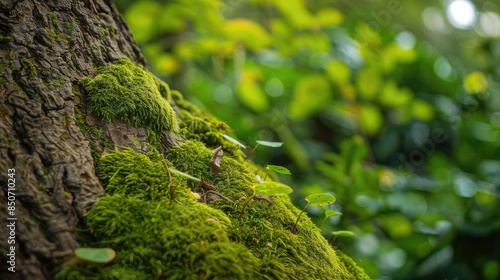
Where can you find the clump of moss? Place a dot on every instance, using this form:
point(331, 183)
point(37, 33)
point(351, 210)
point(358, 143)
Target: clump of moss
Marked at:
point(198, 125)
point(155, 238)
point(127, 92)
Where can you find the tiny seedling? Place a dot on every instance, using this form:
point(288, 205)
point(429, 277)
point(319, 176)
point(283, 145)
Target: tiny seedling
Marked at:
point(95, 255)
point(263, 189)
point(329, 213)
point(277, 169)
point(319, 199)
point(265, 143)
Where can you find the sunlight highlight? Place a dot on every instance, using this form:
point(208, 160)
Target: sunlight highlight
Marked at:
point(461, 14)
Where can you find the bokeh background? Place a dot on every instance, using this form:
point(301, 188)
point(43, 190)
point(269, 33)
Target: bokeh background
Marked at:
point(391, 106)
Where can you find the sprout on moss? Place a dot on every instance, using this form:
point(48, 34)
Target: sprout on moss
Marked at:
point(319, 199)
point(329, 213)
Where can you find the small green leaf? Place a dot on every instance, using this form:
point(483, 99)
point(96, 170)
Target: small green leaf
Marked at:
point(97, 255)
point(271, 188)
point(343, 233)
point(184, 174)
point(331, 213)
point(279, 169)
point(320, 199)
point(234, 141)
point(270, 144)
point(311, 227)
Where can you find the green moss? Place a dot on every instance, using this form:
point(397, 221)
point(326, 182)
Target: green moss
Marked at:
point(67, 27)
point(64, 136)
point(185, 239)
point(5, 39)
point(31, 67)
point(104, 31)
point(198, 125)
point(54, 20)
point(51, 33)
point(127, 92)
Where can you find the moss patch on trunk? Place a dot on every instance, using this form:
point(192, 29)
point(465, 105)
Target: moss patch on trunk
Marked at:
point(160, 230)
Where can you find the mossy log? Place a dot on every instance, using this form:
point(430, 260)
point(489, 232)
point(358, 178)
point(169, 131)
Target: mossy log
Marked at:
point(92, 136)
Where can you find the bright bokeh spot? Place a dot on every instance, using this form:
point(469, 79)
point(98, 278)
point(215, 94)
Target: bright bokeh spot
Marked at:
point(489, 25)
point(461, 14)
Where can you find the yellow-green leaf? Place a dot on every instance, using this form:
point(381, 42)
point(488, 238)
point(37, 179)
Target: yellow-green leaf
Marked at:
point(397, 226)
point(312, 94)
point(295, 12)
point(250, 93)
point(338, 72)
point(320, 199)
point(370, 119)
point(331, 213)
point(279, 169)
point(369, 82)
point(392, 96)
point(253, 36)
point(475, 82)
point(271, 188)
point(421, 110)
point(143, 27)
point(329, 17)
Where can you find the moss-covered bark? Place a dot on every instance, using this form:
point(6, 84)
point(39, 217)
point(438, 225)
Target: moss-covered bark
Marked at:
point(158, 227)
point(68, 115)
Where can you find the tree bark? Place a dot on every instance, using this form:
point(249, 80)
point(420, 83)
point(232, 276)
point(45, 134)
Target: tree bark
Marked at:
point(46, 47)
point(49, 180)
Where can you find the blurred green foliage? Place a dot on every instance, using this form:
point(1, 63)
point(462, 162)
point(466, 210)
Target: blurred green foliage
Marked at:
point(383, 104)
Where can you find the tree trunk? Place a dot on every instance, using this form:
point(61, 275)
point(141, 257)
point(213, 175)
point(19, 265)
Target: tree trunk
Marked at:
point(46, 47)
point(51, 137)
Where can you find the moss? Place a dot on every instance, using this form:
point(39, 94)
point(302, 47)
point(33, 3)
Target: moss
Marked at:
point(31, 67)
point(104, 31)
point(51, 34)
point(64, 136)
point(127, 92)
point(54, 20)
point(68, 29)
point(5, 39)
point(198, 125)
point(185, 239)
point(151, 218)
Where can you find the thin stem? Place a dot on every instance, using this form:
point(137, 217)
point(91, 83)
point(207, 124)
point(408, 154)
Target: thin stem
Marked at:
point(324, 220)
point(295, 226)
point(245, 206)
point(253, 150)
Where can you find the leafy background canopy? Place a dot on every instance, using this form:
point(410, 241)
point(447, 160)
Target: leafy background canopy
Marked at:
point(391, 106)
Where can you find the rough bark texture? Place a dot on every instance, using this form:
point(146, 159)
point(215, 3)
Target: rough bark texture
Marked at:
point(49, 140)
point(46, 47)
